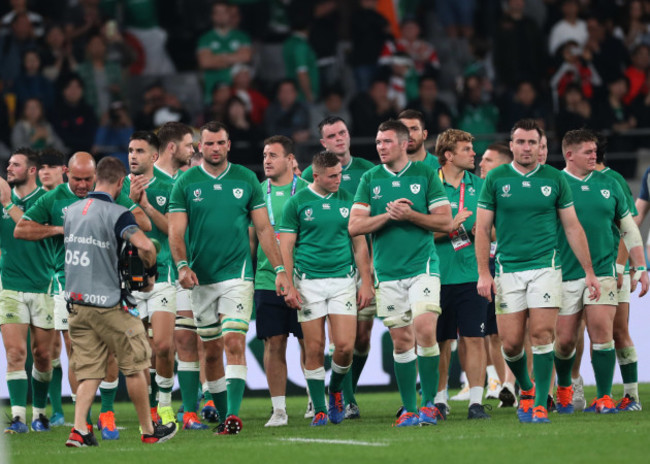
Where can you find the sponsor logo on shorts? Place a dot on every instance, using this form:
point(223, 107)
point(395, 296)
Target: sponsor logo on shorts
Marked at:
point(164, 301)
point(605, 193)
point(611, 296)
point(390, 308)
point(546, 297)
point(505, 191)
point(238, 193)
point(348, 306)
point(197, 195)
point(240, 307)
point(306, 312)
point(482, 327)
point(426, 292)
point(415, 188)
point(308, 214)
point(345, 212)
point(161, 200)
point(376, 192)
point(546, 190)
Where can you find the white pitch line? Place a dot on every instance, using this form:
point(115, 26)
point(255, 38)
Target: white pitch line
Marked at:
point(334, 442)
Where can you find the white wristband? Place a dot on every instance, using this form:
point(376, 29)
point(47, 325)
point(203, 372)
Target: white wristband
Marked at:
point(620, 268)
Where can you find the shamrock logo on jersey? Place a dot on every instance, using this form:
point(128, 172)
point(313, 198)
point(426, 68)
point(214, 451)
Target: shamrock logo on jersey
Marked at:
point(376, 191)
point(197, 195)
point(471, 190)
point(308, 214)
point(238, 193)
point(546, 190)
point(415, 188)
point(505, 191)
point(605, 193)
point(344, 212)
point(161, 200)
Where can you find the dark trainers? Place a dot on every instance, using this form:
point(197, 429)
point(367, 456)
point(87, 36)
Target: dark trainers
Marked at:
point(160, 433)
point(443, 409)
point(477, 411)
point(77, 440)
point(232, 425)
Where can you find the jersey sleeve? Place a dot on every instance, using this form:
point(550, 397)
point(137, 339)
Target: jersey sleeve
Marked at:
point(436, 195)
point(41, 210)
point(124, 200)
point(486, 198)
point(628, 193)
point(290, 222)
point(622, 209)
point(301, 56)
point(565, 197)
point(645, 186)
point(362, 197)
point(308, 174)
point(204, 42)
point(177, 202)
point(257, 195)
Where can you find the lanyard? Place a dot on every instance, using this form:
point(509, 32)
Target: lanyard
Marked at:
point(461, 202)
point(268, 197)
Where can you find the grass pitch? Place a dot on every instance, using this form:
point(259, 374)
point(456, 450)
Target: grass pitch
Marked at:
point(577, 438)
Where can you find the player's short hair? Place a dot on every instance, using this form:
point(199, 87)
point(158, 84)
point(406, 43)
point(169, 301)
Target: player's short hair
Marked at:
point(527, 125)
point(396, 126)
point(328, 121)
point(286, 142)
point(110, 170)
point(147, 136)
point(172, 132)
point(448, 140)
point(51, 157)
point(33, 160)
point(214, 126)
point(323, 160)
point(601, 148)
point(576, 137)
point(412, 114)
point(502, 149)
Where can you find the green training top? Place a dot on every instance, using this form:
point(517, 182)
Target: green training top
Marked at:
point(50, 209)
point(26, 265)
point(400, 248)
point(275, 201)
point(218, 212)
point(459, 266)
point(158, 193)
point(350, 176)
point(323, 245)
point(299, 57)
point(599, 201)
point(525, 215)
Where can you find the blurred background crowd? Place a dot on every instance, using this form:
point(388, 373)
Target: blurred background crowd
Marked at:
point(84, 74)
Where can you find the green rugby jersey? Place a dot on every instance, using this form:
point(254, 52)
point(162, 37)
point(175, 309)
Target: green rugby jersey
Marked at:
point(26, 265)
point(525, 215)
point(218, 212)
point(158, 193)
point(459, 266)
point(431, 161)
point(400, 248)
point(350, 176)
point(599, 201)
point(50, 209)
point(323, 245)
point(276, 197)
point(164, 175)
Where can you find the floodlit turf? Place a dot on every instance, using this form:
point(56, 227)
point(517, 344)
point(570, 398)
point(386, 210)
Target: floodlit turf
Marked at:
point(571, 439)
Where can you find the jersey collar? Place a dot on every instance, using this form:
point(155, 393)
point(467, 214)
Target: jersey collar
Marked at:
point(576, 177)
point(220, 176)
point(527, 174)
point(324, 197)
point(347, 166)
point(162, 171)
point(28, 196)
point(398, 174)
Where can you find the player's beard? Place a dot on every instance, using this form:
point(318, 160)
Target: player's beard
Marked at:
point(17, 182)
point(416, 147)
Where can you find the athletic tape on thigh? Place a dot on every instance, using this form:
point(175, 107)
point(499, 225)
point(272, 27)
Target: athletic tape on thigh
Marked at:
point(185, 323)
point(422, 307)
point(231, 325)
point(209, 332)
point(399, 320)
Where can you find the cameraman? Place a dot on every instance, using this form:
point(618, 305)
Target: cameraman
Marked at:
point(94, 230)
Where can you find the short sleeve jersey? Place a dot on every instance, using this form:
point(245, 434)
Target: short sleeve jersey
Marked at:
point(626, 188)
point(431, 161)
point(276, 197)
point(351, 175)
point(400, 248)
point(50, 209)
point(525, 215)
point(26, 265)
point(158, 193)
point(459, 266)
point(299, 57)
point(218, 211)
point(599, 201)
point(323, 246)
point(218, 44)
point(645, 186)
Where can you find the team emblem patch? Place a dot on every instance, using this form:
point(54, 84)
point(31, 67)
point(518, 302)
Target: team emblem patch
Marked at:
point(415, 188)
point(471, 190)
point(238, 193)
point(605, 193)
point(376, 192)
point(161, 200)
point(197, 195)
point(344, 212)
point(546, 190)
point(505, 191)
point(308, 214)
